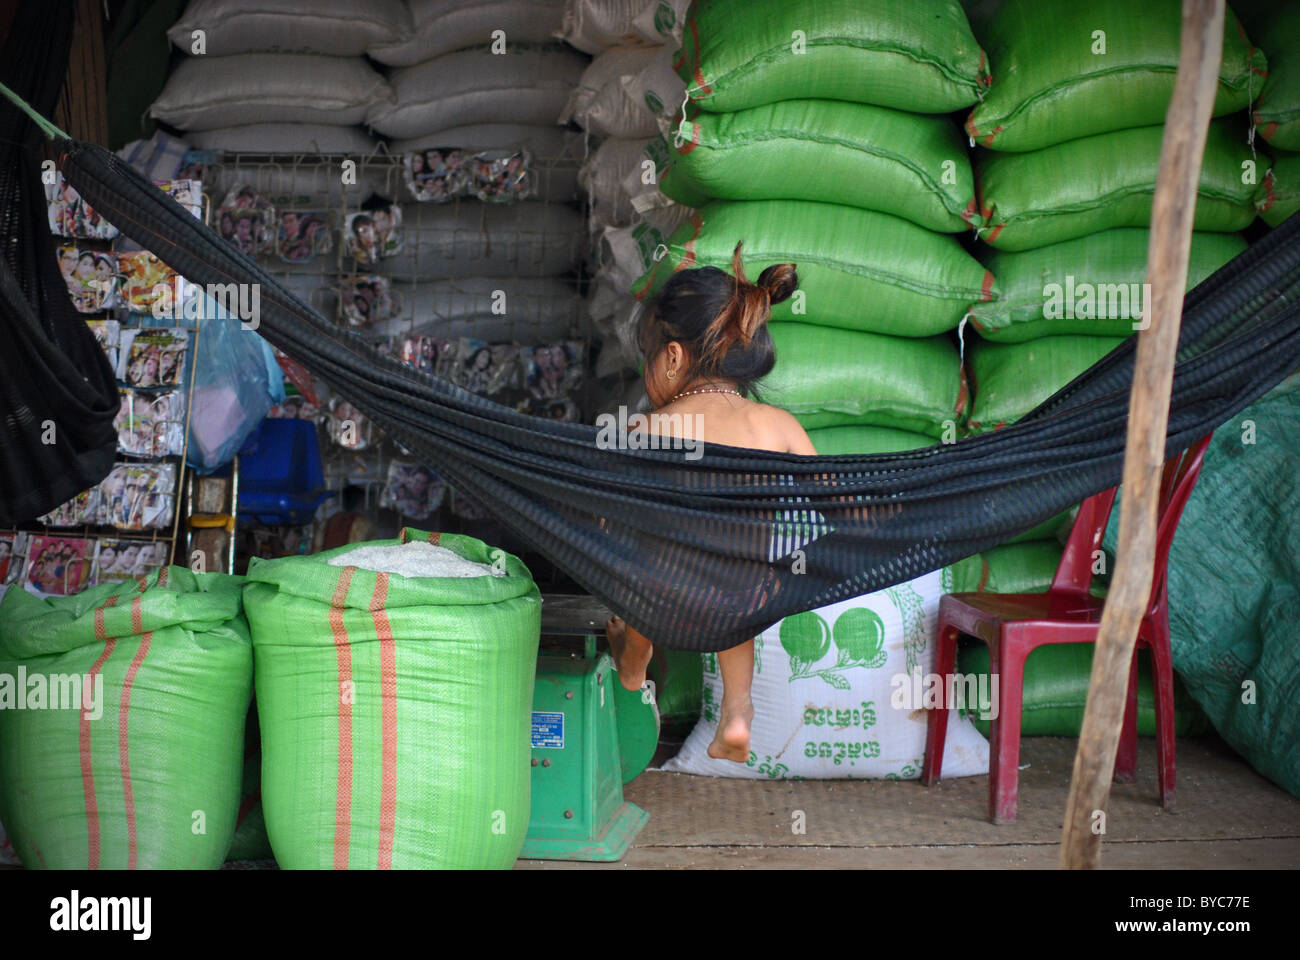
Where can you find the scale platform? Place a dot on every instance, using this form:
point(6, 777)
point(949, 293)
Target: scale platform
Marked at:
point(590, 736)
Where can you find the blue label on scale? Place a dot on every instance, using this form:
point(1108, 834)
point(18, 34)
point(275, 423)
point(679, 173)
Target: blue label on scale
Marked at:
point(548, 731)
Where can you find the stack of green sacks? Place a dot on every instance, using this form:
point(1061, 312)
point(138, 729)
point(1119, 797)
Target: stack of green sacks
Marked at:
point(815, 134)
point(1068, 152)
point(1276, 26)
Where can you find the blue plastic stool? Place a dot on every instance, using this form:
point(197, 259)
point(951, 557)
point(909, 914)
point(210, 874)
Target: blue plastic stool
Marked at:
point(280, 475)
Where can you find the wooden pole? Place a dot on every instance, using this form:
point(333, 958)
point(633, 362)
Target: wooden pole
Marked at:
point(1186, 128)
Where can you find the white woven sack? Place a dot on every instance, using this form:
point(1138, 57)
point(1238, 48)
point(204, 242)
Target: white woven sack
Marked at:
point(626, 253)
point(602, 104)
point(603, 177)
point(661, 22)
point(286, 138)
point(832, 698)
point(596, 25)
point(657, 87)
point(204, 93)
point(536, 309)
point(468, 239)
point(528, 86)
point(442, 26)
point(556, 152)
point(341, 28)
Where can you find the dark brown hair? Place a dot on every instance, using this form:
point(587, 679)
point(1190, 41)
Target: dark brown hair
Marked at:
point(721, 320)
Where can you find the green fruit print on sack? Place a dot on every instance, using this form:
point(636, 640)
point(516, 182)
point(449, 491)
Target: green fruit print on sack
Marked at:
point(860, 636)
point(806, 638)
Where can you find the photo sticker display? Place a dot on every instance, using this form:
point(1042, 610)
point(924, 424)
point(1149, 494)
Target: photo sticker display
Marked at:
point(71, 216)
point(91, 276)
point(143, 279)
point(188, 193)
point(370, 235)
point(494, 176)
point(59, 565)
point(412, 490)
point(301, 235)
point(247, 220)
point(117, 560)
point(138, 496)
point(366, 300)
point(107, 334)
point(13, 554)
point(436, 175)
point(151, 424)
point(81, 510)
point(152, 356)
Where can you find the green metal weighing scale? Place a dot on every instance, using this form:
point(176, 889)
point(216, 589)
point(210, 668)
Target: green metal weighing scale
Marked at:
point(590, 736)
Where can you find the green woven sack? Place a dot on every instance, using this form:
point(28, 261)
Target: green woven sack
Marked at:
point(395, 710)
point(1062, 71)
point(1024, 567)
point(912, 166)
point(918, 56)
point(1279, 193)
point(678, 677)
point(1091, 285)
point(250, 841)
point(1097, 183)
point(858, 269)
point(1275, 26)
point(865, 441)
point(1056, 690)
point(828, 377)
point(1010, 379)
point(147, 778)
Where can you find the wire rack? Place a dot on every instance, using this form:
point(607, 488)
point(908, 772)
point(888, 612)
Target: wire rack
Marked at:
point(513, 272)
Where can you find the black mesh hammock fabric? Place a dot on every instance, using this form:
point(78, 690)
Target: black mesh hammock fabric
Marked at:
point(703, 554)
point(58, 395)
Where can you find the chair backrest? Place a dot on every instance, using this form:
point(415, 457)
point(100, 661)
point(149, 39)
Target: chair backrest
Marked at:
point(1075, 573)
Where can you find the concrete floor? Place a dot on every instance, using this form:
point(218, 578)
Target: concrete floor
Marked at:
point(1227, 816)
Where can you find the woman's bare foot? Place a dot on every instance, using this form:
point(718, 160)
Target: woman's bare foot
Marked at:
point(631, 652)
point(731, 742)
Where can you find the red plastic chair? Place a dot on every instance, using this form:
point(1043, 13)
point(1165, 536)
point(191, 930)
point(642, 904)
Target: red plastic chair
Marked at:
point(1013, 624)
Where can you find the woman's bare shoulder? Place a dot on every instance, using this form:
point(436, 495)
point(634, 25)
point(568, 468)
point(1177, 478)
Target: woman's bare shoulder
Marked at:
point(782, 424)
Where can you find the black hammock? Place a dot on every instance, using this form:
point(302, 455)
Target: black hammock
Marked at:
point(58, 394)
point(703, 554)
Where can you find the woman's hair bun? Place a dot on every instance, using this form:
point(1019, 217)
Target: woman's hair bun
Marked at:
point(779, 280)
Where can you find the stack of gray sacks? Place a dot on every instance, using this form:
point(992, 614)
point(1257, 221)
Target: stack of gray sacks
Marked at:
point(308, 78)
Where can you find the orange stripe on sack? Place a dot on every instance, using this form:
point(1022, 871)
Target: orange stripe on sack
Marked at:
point(388, 698)
point(343, 798)
point(162, 577)
point(703, 84)
point(972, 211)
point(689, 145)
point(87, 770)
point(986, 288)
point(1268, 130)
point(688, 250)
point(993, 234)
point(123, 717)
point(435, 536)
point(1268, 193)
